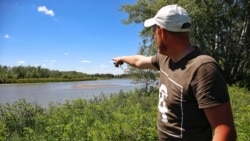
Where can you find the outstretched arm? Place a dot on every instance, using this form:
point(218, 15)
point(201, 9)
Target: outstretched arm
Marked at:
point(138, 61)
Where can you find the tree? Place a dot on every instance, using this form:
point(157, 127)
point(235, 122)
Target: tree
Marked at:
point(219, 27)
point(146, 77)
point(137, 14)
point(221, 32)
point(245, 47)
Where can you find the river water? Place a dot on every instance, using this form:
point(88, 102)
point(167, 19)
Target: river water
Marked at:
point(58, 92)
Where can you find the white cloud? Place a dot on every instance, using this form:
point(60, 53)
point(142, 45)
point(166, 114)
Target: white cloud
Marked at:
point(85, 61)
point(49, 62)
point(6, 36)
point(46, 11)
point(52, 61)
point(20, 62)
point(103, 66)
point(101, 69)
point(43, 65)
point(66, 53)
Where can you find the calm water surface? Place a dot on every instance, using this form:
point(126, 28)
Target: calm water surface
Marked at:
point(43, 93)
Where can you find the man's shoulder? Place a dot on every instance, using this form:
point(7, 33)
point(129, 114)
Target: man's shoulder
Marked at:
point(159, 59)
point(162, 57)
point(198, 59)
point(201, 57)
point(205, 58)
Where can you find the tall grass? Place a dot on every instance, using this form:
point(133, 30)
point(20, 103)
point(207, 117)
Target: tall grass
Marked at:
point(240, 100)
point(123, 116)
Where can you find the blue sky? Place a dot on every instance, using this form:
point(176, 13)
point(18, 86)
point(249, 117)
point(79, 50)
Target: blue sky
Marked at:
point(69, 35)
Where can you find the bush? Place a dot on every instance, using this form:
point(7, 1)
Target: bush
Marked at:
point(241, 110)
point(123, 116)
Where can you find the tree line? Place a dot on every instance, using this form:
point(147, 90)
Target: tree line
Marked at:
point(21, 74)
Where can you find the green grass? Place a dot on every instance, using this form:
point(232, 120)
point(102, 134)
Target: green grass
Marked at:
point(240, 100)
point(124, 116)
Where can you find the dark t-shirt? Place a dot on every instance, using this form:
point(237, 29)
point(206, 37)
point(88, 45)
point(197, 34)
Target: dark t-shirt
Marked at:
point(186, 87)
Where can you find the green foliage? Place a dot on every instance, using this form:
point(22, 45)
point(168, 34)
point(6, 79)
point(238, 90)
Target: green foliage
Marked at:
point(241, 110)
point(3, 131)
point(123, 116)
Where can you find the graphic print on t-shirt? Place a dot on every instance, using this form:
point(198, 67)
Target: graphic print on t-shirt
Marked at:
point(163, 109)
point(171, 103)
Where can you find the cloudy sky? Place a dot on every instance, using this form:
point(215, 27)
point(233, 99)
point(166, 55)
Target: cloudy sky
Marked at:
point(79, 35)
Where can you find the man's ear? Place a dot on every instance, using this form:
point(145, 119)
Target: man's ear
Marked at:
point(163, 33)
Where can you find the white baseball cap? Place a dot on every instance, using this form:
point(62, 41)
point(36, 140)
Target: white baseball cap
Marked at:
point(172, 18)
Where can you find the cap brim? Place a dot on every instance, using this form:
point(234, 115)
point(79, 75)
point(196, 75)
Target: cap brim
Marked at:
point(149, 22)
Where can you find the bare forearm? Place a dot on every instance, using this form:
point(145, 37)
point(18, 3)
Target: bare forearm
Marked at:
point(138, 61)
point(221, 119)
point(224, 133)
point(131, 60)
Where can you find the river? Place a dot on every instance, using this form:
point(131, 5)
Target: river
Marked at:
point(58, 92)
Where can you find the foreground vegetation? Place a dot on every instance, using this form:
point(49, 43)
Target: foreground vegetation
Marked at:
point(123, 116)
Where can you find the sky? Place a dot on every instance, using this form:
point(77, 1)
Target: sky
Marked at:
point(67, 35)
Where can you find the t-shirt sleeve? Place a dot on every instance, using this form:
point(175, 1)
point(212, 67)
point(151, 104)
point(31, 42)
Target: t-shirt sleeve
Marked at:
point(155, 61)
point(209, 85)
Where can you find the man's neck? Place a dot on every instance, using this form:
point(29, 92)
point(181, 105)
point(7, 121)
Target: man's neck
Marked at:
point(182, 53)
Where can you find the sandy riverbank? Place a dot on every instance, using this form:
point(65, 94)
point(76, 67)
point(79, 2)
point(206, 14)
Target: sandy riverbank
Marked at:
point(82, 86)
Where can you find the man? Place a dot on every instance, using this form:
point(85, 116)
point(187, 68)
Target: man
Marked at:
point(194, 102)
